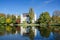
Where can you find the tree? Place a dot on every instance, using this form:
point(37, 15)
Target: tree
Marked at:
point(2, 18)
point(44, 17)
point(8, 20)
point(2, 15)
point(31, 15)
point(18, 19)
point(56, 17)
point(13, 17)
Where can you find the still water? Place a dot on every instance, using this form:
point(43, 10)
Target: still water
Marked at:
point(42, 34)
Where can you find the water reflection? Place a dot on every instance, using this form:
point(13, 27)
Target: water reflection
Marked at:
point(56, 32)
point(2, 30)
point(43, 33)
point(31, 34)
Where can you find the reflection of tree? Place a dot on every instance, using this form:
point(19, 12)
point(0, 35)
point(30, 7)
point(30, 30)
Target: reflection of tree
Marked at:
point(2, 33)
point(31, 34)
point(56, 33)
point(13, 30)
point(2, 30)
point(8, 29)
point(45, 32)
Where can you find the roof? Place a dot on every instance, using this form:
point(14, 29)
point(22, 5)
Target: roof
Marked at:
point(25, 14)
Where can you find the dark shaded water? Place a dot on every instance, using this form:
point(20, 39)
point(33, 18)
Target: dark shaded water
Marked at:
point(41, 35)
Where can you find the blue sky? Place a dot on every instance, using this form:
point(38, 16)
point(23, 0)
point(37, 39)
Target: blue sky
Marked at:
point(18, 7)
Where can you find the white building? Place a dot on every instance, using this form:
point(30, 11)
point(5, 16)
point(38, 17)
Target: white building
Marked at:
point(25, 18)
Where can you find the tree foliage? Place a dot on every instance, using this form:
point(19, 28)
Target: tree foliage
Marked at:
point(44, 17)
point(2, 18)
point(31, 15)
point(56, 17)
point(8, 20)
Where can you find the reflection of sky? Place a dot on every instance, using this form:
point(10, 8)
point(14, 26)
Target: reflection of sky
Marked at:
point(39, 37)
point(13, 37)
point(19, 37)
point(22, 6)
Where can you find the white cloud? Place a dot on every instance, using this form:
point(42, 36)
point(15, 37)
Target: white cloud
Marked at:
point(48, 1)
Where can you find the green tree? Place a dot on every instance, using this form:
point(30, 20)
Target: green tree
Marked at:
point(31, 15)
point(13, 17)
point(2, 18)
point(8, 19)
point(44, 18)
point(19, 17)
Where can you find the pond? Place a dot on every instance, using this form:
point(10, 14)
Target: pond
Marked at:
point(9, 33)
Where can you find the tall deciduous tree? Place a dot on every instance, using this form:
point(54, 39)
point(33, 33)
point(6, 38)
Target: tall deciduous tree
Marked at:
point(56, 17)
point(31, 14)
point(44, 17)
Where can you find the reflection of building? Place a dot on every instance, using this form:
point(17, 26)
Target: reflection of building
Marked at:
point(17, 22)
point(25, 18)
